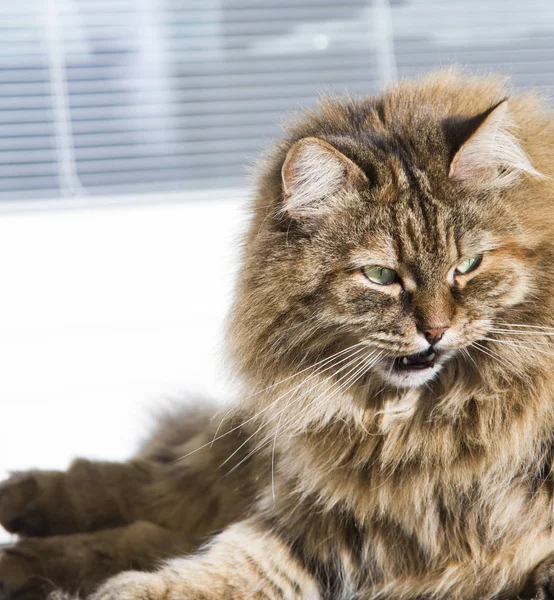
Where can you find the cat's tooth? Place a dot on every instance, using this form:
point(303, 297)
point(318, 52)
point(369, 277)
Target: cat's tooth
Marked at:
point(431, 356)
point(404, 361)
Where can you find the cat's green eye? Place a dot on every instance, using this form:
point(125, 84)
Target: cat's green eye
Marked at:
point(380, 275)
point(470, 264)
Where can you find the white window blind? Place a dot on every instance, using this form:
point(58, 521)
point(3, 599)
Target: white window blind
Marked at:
point(114, 96)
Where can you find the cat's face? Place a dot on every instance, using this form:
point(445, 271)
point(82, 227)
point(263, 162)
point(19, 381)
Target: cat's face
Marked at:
point(406, 256)
point(418, 277)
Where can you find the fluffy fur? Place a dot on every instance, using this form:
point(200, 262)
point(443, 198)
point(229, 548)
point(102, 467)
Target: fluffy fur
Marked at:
point(339, 475)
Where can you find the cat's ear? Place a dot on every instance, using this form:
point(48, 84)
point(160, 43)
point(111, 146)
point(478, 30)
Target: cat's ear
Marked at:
point(485, 149)
point(313, 173)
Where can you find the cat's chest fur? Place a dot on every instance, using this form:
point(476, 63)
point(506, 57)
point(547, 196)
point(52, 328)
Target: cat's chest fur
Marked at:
point(418, 492)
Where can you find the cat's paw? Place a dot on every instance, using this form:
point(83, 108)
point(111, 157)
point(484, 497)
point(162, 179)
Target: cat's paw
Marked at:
point(540, 583)
point(20, 510)
point(21, 576)
point(134, 585)
point(28, 503)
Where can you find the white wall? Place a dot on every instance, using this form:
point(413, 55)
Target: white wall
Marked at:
point(104, 313)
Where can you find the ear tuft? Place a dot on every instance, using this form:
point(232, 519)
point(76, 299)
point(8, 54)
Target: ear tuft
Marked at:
point(314, 172)
point(490, 151)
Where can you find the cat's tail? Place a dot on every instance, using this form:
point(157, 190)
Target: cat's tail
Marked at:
point(178, 429)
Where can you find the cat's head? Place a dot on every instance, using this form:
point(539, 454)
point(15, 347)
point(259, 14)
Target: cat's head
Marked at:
point(391, 235)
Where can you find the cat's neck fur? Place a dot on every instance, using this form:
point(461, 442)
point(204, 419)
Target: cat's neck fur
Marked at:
point(458, 473)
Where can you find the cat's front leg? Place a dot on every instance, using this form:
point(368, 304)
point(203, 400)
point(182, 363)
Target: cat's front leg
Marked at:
point(89, 496)
point(33, 567)
point(247, 561)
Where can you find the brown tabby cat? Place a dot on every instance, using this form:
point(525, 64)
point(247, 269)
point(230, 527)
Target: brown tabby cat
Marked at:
point(394, 331)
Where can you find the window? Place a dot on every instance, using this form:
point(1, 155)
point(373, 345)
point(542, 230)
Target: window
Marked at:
point(115, 96)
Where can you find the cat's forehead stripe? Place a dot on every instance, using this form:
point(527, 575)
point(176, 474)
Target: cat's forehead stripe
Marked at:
point(420, 228)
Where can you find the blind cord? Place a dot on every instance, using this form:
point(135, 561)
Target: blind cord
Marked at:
point(68, 177)
point(384, 43)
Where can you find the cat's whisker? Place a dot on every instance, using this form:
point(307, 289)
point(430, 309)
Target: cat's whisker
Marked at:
point(466, 353)
point(351, 376)
point(361, 371)
point(273, 450)
point(522, 332)
point(302, 384)
point(273, 459)
point(322, 399)
point(317, 372)
point(293, 342)
point(505, 361)
point(489, 353)
point(286, 407)
point(266, 440)
point(503, 336)
point(346, 378)
point(320, 363)
point(354, 372)
point(520, 345)
point(371, 361)
point(523, 325)
point(274, 447)
point(324, 360)
point(249, 455)
point(365, 366)
point(327, 378)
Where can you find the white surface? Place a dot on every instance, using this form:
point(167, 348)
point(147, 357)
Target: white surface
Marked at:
point(104, 313)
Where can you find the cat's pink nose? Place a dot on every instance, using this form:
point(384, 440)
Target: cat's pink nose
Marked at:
point(434, 334)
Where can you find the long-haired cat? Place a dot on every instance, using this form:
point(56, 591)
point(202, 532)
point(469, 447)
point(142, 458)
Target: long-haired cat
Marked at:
point(393, 330)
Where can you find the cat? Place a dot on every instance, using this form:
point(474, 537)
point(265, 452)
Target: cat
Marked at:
point(393, 333)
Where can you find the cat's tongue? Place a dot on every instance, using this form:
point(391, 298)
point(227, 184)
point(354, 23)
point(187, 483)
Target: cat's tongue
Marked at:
point(422, 360)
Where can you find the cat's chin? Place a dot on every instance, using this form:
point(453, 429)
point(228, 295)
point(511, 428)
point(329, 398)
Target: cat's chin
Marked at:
point(411, 380)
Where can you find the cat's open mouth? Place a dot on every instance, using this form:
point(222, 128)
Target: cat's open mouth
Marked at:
point(416, 362)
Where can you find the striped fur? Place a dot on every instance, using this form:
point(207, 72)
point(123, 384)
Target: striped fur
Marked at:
point(336, 476)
